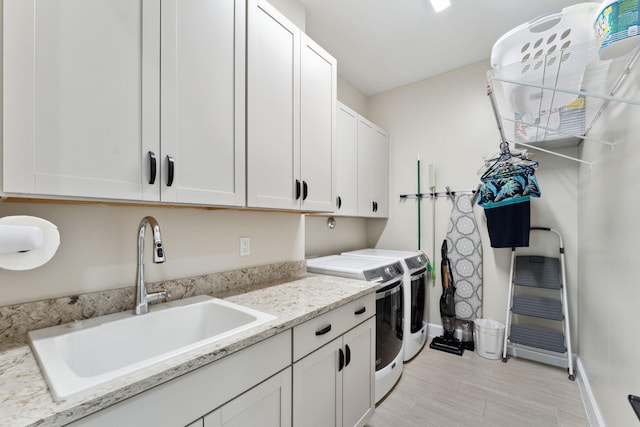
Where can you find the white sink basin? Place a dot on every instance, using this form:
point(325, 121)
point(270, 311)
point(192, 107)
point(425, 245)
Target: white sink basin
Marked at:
point(80, 356)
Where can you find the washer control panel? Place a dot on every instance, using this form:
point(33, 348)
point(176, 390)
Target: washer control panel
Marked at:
point(385, 273)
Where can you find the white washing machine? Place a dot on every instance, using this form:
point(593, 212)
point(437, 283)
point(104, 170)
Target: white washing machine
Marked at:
point(415, 264)
point(389, 308)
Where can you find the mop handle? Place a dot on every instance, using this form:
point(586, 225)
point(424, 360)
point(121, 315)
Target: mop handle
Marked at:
point(419, 203)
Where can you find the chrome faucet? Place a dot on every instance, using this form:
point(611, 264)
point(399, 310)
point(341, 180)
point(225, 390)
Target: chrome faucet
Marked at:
point(142, 298)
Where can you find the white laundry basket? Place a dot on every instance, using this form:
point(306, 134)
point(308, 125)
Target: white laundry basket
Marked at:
point(548, 50)
point(489, 336)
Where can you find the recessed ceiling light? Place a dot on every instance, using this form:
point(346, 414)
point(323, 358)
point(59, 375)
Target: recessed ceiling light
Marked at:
point(440, 5)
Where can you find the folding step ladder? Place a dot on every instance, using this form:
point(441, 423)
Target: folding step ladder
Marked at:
point(532, 341)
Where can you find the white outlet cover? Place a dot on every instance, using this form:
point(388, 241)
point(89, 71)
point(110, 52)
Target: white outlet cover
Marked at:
point(245, 246)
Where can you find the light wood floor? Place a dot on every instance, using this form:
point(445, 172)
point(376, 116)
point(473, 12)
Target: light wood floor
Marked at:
point(441, 389)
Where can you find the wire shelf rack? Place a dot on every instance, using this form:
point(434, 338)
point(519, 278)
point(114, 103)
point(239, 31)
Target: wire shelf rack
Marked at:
point(553, 100)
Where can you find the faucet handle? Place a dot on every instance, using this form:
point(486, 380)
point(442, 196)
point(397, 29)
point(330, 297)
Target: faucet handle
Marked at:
point(158, 296)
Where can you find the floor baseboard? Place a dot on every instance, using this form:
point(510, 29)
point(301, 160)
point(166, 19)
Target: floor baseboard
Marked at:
point(590, 404)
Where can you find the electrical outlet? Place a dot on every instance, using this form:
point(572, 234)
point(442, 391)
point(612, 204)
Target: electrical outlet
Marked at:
point(245, 246)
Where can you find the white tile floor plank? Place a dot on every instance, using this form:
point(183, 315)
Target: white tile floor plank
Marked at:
point(443, 390)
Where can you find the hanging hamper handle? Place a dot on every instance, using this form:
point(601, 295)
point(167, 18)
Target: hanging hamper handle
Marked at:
point(545, 22)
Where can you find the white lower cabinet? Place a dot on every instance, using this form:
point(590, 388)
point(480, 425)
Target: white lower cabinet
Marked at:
point(335, 384)
point(358, 376)
point(234, 386)
point(318, 387)
point(266, 405)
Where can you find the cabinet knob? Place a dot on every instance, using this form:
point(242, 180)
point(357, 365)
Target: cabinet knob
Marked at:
point(152, 167)
point(305, 190)
point(360, 311)
point(171, 170)
point(339, 202)
point(340, 360)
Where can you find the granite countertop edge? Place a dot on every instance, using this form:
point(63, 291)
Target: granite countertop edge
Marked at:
point(26, 401)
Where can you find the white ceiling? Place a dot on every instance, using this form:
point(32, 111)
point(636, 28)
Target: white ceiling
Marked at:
point(384, 44)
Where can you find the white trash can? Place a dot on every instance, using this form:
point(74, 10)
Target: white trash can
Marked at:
point(489, 337)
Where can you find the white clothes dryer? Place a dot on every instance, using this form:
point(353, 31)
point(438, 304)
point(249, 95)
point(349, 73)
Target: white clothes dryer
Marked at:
point(415, 265)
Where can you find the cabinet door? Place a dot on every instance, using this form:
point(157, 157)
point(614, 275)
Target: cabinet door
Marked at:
point(347, 161)
point(317, 385)
point(81, 97)
point(273, 108)
point(365, 167)
point(380, 173)
point(358, 383)
point(317, 126)
point(203, 101)
point(373, 170)
point(266, 405)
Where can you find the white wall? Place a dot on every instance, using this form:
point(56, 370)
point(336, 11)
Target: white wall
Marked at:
point(448, 121)
point(293, 10)
point(609, 298)
point(98, 246)
point(351, 97)
point(348, 234)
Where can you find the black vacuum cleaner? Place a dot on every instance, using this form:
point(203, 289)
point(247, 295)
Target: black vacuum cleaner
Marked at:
point(447, 342)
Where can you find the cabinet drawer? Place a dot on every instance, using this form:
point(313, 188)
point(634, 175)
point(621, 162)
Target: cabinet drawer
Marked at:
point(320, 330)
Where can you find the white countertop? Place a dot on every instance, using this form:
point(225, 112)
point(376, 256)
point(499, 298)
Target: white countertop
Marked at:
point(25, 399)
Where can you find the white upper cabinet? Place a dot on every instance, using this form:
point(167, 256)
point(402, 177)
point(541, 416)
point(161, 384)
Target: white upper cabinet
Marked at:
point(317, 127)
point(291, 92)
point(380, 172)
point(273, 108)
point(81, 98)
point(347, 161)
point(202, 114)
point(362, 165)
point(373, 170)
point(83, 112)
